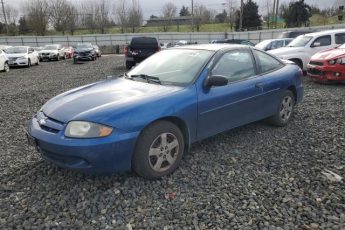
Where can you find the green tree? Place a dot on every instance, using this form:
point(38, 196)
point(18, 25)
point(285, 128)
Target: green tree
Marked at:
point(297, 14)
point(220, 18)
point(184, 11)
point(23, 26)
point(251, 18)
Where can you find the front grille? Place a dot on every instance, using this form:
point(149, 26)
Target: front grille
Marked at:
point(313, 71)
point(12, 58)
point(49, 124)
point(48, 129)
point(46, 54)
point(316, 63)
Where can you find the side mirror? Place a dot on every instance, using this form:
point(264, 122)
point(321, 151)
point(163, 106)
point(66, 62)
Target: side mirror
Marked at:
point(316, 44)
point(215, 81)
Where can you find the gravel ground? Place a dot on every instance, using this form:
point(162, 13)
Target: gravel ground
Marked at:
point(254, 177)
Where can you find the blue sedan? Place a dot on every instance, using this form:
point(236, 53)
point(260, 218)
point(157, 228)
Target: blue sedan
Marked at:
point(148, 118)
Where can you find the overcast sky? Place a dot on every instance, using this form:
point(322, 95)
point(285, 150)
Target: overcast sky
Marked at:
point(155, 6)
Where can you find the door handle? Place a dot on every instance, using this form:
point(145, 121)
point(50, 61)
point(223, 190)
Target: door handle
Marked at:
point(259, 85)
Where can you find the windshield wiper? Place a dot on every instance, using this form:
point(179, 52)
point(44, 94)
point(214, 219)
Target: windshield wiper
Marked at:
point(148, 78)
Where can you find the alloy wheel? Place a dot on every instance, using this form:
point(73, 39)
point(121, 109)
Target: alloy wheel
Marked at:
point(6, 67)
point(286, 108)
point(163, 152)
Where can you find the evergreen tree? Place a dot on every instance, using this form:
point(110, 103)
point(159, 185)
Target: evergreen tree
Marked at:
point(23, 26)
point(251, 18)
point(220, 18)
point(184, 11)
point(297, 14)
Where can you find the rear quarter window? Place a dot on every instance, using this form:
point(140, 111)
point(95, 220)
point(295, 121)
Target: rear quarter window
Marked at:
point(266, 62)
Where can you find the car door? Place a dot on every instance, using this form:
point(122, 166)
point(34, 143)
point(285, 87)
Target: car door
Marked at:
point(239, 102)
point(320, 43)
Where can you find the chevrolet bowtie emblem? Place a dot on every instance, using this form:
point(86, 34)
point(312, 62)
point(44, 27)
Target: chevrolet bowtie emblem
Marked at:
point(42, 121)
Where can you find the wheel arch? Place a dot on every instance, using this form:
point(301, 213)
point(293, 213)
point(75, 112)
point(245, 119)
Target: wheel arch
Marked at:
point(294, 91)
point(300, 61)
point(180, 123)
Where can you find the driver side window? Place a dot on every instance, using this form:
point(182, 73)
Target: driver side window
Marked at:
point(324, 41)
point(235, 65)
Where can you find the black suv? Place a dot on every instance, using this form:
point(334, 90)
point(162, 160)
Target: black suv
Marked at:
point(84, 51)
point(139, 49)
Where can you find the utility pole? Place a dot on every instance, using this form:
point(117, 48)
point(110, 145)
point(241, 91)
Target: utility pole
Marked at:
point(193, 15)
point(241, 16)
point(276, 18)
point(4, 13)
point(274, 13)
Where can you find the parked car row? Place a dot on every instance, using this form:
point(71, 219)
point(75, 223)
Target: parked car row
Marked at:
point(11, 56)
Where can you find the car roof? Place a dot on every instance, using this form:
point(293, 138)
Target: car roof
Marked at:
point(326, 32)
point(212, 47)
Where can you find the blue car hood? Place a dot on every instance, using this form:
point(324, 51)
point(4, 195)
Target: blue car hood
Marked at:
point(92, 102)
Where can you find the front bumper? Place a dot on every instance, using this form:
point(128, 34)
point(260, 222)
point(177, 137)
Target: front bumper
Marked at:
point(18, 62)
point(48, 57)
point(93, 156)
point(87, 57)
point(326, 73)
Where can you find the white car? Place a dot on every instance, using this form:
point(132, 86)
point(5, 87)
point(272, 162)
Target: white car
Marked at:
point(52, 52)
point(22, 56)
point(4, 62)
point(304, 46)
point(271, 44)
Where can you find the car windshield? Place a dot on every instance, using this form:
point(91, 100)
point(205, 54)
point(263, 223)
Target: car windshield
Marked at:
point(300, 41)
point(263, 44)
point(16, 50)
point(50, 47)
point(83, 46)
point(174, 66)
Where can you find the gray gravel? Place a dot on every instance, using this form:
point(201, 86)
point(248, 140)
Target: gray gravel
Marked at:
point(254, 177)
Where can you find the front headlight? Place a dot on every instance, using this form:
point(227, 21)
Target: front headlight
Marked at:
point(84, 129)
point(332, 62)
point(341, 61)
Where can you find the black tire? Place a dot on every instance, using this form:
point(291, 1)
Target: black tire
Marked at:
point(129, 65)
point(75, 61)
point(285, 110)
point(158, 165)
point(58, 57)
point(29, 64)
point(6, 67)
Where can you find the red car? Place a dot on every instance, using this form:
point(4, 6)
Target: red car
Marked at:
point(69, 52)
point(328, 65)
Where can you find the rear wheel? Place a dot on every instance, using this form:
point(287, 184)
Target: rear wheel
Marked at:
point(285, 111)
point(159, 150)
point(129, 65)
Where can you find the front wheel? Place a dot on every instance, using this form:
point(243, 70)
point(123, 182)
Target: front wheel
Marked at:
point(159, 150)
point(285, 111)
point(29, 63)
point(6, 67)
